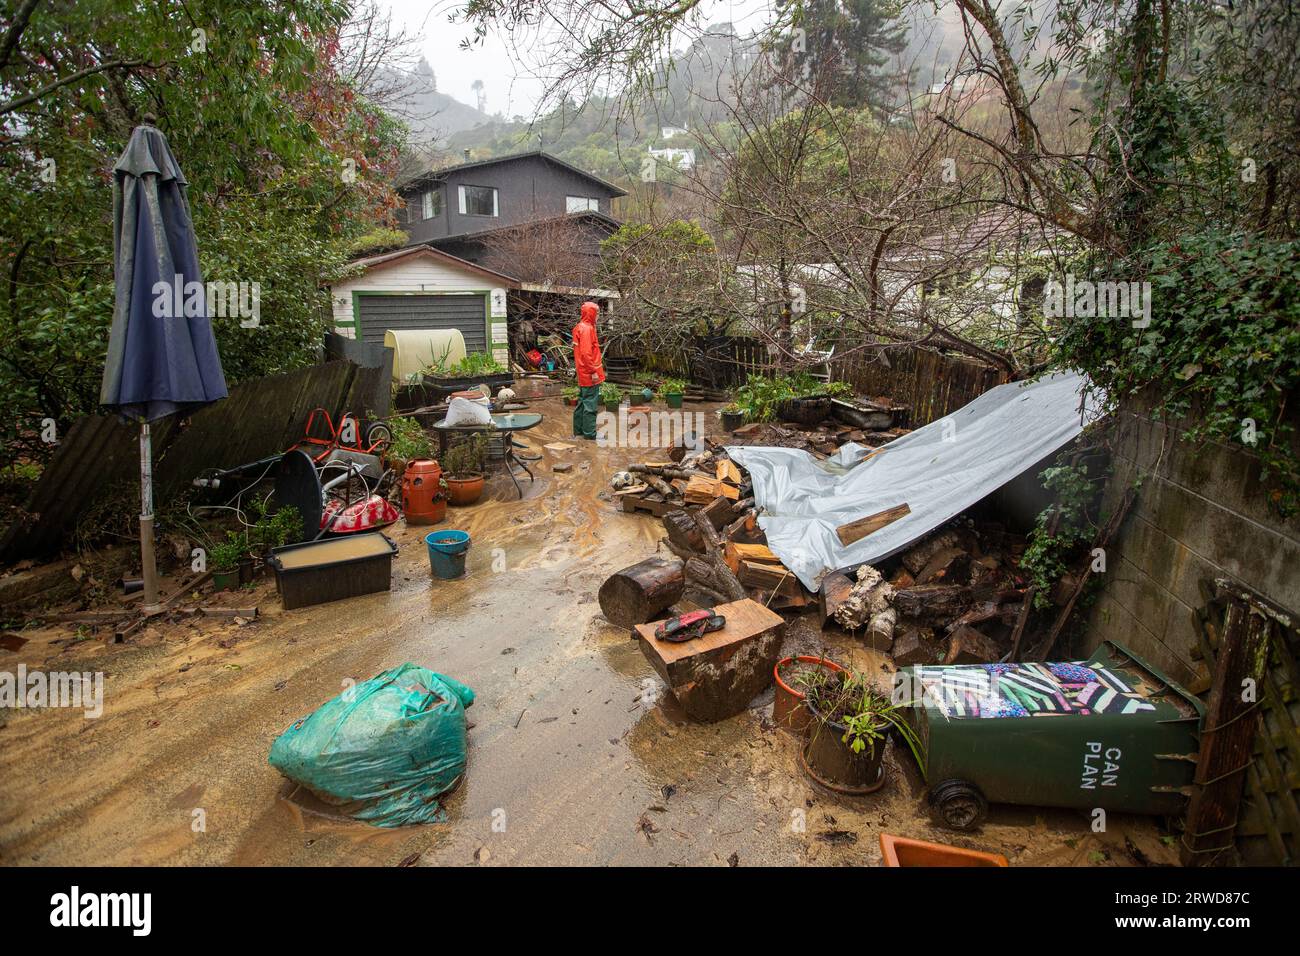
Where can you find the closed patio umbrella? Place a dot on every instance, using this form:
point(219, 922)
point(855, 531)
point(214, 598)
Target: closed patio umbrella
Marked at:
point(162, 355)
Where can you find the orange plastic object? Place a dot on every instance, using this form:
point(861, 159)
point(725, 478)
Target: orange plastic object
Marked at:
point(422, 497)
point(901, 851)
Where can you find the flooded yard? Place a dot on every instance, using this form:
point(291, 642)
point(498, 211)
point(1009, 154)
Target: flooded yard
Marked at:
point(578, 753)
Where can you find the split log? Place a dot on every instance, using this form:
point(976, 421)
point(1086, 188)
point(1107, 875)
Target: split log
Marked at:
point(661, 486)
point(912, 646)
point(713, 554)
point(969, 646)
point(701, 489)
point(641, 592)
point(663, 471)
point(934, 602)
point(916, 558)
point(728, 470)
point(741, 506)
point(734, 552)
point(946, 565)
point(700, 573)
point(859, 529)
point(769, 577)
point(835, 589)
point(683, 532)
point(718, 511)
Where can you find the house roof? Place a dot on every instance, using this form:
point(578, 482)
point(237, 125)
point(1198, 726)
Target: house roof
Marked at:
point(532, 154)
point(385, 259)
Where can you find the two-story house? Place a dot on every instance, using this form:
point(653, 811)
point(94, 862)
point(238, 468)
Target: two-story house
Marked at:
point(513, 236)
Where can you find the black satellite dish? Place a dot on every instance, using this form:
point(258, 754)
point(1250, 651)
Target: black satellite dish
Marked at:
point(297, 484)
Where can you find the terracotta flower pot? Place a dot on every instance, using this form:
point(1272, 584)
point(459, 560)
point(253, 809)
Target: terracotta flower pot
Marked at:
point(788, 709)
point(903, 851)
point(464, 491)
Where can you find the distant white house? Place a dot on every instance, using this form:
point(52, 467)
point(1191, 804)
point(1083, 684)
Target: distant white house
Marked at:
point(682, 159)
point(668, 132)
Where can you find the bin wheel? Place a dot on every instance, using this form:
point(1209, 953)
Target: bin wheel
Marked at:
point(959, 803)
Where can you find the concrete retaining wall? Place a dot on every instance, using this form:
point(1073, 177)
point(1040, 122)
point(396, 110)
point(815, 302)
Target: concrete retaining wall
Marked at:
point(1200, 512)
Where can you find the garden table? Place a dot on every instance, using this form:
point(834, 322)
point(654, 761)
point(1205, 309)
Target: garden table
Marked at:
point(502, 426)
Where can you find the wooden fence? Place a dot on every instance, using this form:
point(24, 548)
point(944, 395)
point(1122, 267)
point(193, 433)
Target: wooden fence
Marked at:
point(100, 454)
point(931, 384)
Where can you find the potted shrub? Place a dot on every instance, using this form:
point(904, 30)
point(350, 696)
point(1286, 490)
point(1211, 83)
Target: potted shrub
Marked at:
point(612, 396)
point(733, 416)
point(851, 724)
point(570, 393)
point(463, 468)
point(224, 558)
point(673, 389)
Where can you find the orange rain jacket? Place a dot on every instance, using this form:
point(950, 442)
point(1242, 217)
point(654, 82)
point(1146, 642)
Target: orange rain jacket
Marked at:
point(586, 349)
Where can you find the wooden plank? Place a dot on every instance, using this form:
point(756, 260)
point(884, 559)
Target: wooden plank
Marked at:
point(769, 577)
point(859, 529)
point(1227, 739)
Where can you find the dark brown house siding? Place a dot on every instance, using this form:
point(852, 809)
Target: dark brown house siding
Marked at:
point(529, 188)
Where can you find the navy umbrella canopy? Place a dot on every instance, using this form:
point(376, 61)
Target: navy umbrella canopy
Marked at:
point(160, 360)
point(162, 355)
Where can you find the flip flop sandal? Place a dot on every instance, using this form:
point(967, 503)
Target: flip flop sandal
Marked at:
point(687, 627)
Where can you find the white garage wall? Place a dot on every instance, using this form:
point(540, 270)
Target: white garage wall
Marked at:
point(414, 274)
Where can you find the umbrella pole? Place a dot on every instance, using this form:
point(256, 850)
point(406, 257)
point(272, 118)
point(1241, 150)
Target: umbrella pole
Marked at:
point(148, 564)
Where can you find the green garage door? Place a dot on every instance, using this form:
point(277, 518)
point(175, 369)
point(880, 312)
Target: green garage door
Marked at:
point(464, 312)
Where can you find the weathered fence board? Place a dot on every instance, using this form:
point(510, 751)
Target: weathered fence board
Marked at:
point(931, 384)
point(99, 452)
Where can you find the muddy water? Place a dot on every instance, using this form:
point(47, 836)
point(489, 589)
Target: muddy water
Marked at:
point(577, 752)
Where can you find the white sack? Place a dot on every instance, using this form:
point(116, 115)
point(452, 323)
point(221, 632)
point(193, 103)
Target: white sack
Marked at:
point(464, 411)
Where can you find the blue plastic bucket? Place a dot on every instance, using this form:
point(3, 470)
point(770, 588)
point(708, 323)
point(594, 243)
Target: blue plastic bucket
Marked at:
point(447, 552)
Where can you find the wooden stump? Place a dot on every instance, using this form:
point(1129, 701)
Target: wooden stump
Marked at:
point(716, 676)
point(642, 592)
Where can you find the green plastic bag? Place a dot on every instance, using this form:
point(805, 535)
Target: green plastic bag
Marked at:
point(383, 751)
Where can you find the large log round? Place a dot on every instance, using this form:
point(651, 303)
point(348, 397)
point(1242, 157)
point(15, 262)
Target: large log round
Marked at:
point(640, 593)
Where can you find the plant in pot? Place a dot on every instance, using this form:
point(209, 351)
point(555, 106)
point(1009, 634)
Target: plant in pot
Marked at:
point(570, 393)
point(795, 676)
point(611, 396)
point(463, 468)
point(733, 416)
point(409, 443)
point(851, 724)
point(224, 558)
point(672, 390)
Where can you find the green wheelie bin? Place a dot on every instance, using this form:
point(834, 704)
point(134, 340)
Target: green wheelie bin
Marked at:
point(1111, 732)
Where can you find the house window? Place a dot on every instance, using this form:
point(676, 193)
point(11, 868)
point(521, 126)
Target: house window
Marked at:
point(581, 204)
point(478, 201)
point(431, 203)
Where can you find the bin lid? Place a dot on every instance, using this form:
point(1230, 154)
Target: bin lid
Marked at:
point(1112, 682)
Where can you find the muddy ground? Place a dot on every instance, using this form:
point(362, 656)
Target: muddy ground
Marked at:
point(578, 755)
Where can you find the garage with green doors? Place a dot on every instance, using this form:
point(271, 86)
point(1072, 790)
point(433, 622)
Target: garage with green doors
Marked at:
point(420, 288)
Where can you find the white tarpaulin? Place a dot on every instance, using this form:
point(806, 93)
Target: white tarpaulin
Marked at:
point(938, 471)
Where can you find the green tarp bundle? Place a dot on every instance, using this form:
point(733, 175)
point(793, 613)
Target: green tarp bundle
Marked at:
point(383, 751)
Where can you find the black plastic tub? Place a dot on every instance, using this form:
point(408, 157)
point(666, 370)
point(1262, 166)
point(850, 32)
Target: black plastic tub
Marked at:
point(317, 572)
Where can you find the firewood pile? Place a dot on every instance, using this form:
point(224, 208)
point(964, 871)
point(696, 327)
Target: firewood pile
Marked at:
point(954, 597)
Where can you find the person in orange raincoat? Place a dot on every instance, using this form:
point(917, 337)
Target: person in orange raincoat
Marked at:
point(591, 372)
